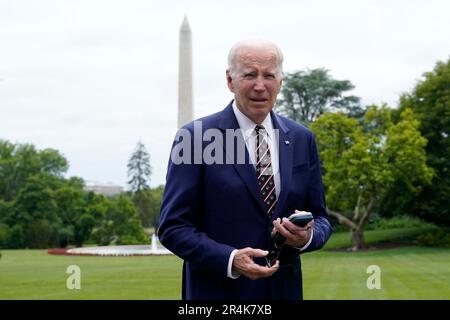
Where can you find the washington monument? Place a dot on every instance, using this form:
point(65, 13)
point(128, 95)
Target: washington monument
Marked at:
point(185, 99)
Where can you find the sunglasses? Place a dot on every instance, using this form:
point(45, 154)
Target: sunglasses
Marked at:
point(300, 219)
point(278, 243)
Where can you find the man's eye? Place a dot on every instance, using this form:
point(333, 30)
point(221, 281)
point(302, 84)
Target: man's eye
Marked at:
point(270, 76)
point(249, 75)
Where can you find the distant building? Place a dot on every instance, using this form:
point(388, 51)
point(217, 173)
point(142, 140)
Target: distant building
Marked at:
point(107, 189)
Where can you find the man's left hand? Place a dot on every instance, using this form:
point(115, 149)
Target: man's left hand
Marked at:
point(295, 236)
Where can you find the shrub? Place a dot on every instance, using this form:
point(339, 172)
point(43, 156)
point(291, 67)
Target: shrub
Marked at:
point(17, 237)
point(128, 240)
point(65, 236)
point(402, 221)
point(39, 234)
point(438, 238)
point(5, 234)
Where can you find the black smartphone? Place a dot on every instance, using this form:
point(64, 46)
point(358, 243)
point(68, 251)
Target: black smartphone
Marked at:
point(299, 218)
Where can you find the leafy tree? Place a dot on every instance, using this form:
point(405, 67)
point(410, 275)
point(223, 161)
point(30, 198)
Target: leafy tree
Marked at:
point(361, 163)
point(65, 236)
point(84, 225)
point(144, 203)
point(39, 205)
point(308, 94)
point(96, 205)
point(430, 101)
point(126, 222)
point(40, 234)
point(150, 202)
point(40, 208)
point(157, 194)
point(121, 224)
point(17, 237)
point(70, 204)
point(19, 162)
point(5, 234)
point(6, 211)
point(36, 200)
point(76, 218)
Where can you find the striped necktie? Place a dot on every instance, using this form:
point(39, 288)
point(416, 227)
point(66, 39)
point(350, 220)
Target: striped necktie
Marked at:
point(264, 170)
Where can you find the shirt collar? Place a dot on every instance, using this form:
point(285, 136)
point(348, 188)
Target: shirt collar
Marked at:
point(248, 126)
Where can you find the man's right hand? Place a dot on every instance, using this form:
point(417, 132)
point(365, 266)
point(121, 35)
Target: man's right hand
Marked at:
point(243, 263)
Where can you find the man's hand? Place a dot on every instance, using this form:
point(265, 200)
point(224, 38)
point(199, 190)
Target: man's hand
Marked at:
point(295, 236)
point(244, 264)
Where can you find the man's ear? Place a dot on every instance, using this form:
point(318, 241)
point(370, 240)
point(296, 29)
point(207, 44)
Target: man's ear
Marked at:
point(281, 84)
point(230, 81)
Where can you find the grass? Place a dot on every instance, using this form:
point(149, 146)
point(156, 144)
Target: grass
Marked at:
point(406, 273)
point(34, 274)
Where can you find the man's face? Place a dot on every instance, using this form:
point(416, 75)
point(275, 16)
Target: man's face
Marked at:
point(255, 82)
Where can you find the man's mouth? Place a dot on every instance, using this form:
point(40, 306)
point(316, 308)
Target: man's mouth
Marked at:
point(258, 100)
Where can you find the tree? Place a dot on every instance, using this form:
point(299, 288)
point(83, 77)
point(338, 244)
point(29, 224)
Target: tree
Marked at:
point(39, 205)
point(83, 228)
point(36, 211)
point(5, 235)
point(430, 101)
point(18, 162)
point(40, 234)
point(139, 169)
point(17, 237)
point(157, 194)
point(121, 224)
point(143, 200)
point(74, 212)
point(362, 162)
point(308, 94)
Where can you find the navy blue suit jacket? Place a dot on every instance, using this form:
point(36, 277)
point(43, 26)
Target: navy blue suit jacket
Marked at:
point(208, 210)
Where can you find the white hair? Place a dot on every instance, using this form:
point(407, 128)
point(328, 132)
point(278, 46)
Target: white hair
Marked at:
point(254, 44)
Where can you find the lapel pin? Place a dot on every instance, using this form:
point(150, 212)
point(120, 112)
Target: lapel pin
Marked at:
point(286, 141)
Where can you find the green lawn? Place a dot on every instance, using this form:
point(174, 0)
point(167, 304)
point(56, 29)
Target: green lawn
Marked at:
point(34, 274)
point(406, 273)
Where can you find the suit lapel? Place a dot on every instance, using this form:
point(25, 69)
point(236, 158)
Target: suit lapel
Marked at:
point(246, 170)
point(285, 156)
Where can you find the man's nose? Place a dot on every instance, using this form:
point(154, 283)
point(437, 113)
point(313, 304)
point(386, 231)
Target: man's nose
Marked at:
point(259, 84)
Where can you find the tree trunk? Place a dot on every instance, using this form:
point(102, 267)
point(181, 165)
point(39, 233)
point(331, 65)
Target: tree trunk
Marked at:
point(357, 238)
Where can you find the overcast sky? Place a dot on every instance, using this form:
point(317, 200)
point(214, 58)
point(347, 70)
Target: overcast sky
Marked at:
point(92, 78)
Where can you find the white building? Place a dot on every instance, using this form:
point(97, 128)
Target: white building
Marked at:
point(108, 189)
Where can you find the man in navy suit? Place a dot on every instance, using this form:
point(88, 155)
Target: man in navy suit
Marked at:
point(233, 178)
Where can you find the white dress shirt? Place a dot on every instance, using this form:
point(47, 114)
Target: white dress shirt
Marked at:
point(248, 130)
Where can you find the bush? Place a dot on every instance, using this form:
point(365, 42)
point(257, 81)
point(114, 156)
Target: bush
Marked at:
point(376, 222)
point(438, 238)
point(39, 234)
point(5, 234)
point(403, 221)
point(17, 237)
point(65, 236)
point(128, 240)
